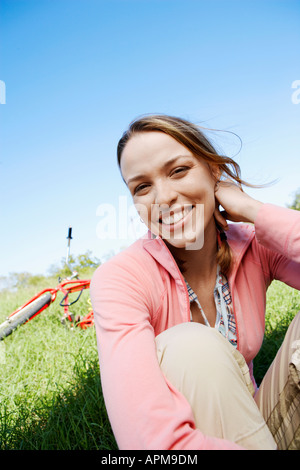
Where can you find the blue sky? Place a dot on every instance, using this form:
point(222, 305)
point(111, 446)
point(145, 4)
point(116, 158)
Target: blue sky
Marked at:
point(76, 72)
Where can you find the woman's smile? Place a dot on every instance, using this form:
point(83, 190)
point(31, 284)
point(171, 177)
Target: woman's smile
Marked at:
point(175, 218)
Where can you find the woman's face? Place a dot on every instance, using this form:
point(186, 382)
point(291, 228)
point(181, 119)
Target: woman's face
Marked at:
point(172, 190)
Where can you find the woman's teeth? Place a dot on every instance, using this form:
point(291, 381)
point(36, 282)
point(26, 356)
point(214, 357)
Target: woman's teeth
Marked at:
point(174, 218)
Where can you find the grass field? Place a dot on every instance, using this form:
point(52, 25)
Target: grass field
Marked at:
point(50, 390)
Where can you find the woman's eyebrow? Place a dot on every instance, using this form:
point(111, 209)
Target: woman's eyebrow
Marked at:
point(164, 166)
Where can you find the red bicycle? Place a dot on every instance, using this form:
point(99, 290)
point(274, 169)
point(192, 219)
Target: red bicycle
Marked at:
point(44, 298)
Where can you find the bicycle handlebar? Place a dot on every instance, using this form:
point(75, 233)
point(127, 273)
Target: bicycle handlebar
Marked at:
point(69, 233)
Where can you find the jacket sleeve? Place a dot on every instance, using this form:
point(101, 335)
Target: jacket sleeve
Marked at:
point(145, 411)
point(278, 230)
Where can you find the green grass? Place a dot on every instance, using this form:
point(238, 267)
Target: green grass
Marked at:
point(50, 390)
point(283, 303)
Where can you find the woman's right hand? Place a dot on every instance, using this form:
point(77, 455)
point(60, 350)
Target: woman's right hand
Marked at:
point(238, 206)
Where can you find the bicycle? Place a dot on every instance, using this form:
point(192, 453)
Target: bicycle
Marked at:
point(46, 297)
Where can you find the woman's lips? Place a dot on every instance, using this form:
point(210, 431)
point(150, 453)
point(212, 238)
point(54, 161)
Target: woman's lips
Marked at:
point(174, 219)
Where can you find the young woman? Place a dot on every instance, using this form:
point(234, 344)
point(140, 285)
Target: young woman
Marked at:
point(180, 314)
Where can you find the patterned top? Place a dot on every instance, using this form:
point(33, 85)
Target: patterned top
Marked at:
point(225, 320)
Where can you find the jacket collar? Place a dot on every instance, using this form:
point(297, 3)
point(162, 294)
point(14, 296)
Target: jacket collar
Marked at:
point(161, 253)
point(239, 237)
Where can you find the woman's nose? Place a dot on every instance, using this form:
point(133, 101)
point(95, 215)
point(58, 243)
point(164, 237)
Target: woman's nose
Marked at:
point(164, 193)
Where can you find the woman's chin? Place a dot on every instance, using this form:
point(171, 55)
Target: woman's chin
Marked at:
point(191, 242)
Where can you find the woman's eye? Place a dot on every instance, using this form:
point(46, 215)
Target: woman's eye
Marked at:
point(180, 169)
point(140, 188)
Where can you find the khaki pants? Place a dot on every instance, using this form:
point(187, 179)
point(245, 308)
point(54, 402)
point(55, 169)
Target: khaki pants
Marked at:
point(214, 378)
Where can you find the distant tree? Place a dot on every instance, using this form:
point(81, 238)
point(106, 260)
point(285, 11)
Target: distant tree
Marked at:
point(296, 203)
point(21, 280)
point(87, 261)
point(83, 263)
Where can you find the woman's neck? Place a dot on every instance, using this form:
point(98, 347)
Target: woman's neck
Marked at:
point(200, 266)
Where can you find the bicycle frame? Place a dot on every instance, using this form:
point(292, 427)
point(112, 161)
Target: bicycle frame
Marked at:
point(44, 298)
point(67, 287)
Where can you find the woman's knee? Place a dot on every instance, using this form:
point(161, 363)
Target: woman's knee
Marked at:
point(201, 364)
point(192, 349)
point(187, 339)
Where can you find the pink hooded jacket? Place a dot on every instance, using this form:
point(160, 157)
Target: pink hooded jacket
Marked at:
point(141, 292)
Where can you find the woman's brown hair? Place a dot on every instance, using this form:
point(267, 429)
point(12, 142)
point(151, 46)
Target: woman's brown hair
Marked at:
point(193, 138)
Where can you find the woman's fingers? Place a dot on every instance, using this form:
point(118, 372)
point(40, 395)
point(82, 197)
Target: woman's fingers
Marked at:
point(220, 218)
point(238, 206)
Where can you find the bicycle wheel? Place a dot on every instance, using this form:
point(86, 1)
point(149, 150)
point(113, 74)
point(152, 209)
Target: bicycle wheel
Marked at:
point(11, 323)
